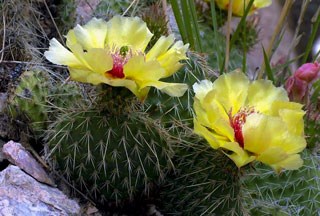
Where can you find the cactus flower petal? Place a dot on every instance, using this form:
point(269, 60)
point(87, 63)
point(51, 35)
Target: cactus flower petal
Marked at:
point(201, 89)
point(58, 54)
point(113, 52)
point(258, 139)
point(160, 47)
point(239, 6)
point(235, 91)
point(262, 100)
point(167, 56)
point(91, 35)
point(239, 156)
point(291, 163)
point(128, 31)
point(250, 121)
point(170, 59)
point(214, 139)
point(172, 89)
point(262, 3)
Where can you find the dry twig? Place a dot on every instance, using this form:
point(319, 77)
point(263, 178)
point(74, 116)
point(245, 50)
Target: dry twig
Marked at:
point(4, 37)
point(54, 23)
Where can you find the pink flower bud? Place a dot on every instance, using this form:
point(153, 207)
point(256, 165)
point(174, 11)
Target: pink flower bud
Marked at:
point(308, 72)
point(297, 89)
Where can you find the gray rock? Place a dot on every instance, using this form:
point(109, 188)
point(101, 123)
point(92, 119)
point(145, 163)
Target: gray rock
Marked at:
point(85, 10)
point(18, 155)
point(20, 194)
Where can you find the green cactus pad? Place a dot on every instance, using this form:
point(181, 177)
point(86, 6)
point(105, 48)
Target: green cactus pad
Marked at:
point(172, 110)
point(206, 183)
point(29, 99)
point(288, 193)
point(110, 157)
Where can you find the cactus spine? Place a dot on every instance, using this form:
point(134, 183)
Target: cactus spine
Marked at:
point(29, 99)
point(111, 151)
point(206, 183)
point(290, 193)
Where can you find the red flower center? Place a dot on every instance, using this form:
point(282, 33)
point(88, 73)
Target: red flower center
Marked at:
point(117, 69)
point(120, 58)
point(237, 121)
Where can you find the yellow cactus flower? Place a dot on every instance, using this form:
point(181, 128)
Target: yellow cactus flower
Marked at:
point(113, 52)
point(250, 121)
point(238, 6)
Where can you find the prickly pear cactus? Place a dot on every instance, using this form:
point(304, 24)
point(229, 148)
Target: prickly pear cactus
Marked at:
point(29, 99)
point(155, 19)
point(312, 130)
point(114, 147)
point(112, 7)
point(288, 193)
point(206, 183)
point(312, 120)
point(172, 110)
point(67, 95)
point(110, 152)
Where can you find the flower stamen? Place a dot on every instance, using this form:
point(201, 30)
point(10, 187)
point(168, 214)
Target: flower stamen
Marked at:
point(237, 121)
point(117, 69)
point(120, 58)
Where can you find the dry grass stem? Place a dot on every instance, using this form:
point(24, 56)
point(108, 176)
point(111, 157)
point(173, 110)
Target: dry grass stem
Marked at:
point(297, 37)
point(54, 23)
point(4, 37)
point(164, 8)
point(130, 6)
point(284, 14)
point(33, 63)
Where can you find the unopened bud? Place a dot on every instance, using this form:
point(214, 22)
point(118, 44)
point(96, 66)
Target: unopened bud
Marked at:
point(297, 89)
point(308, 72)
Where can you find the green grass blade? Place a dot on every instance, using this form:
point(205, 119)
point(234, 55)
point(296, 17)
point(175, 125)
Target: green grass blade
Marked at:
point(241, 23)
point(268, 67)
point(186, 17)
point(222, 65)
point(315, 27)
point(196, 32)
point(178, 16)
point(244, 61)
point(215, 26)
point(187, 22)
point(317, 56)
